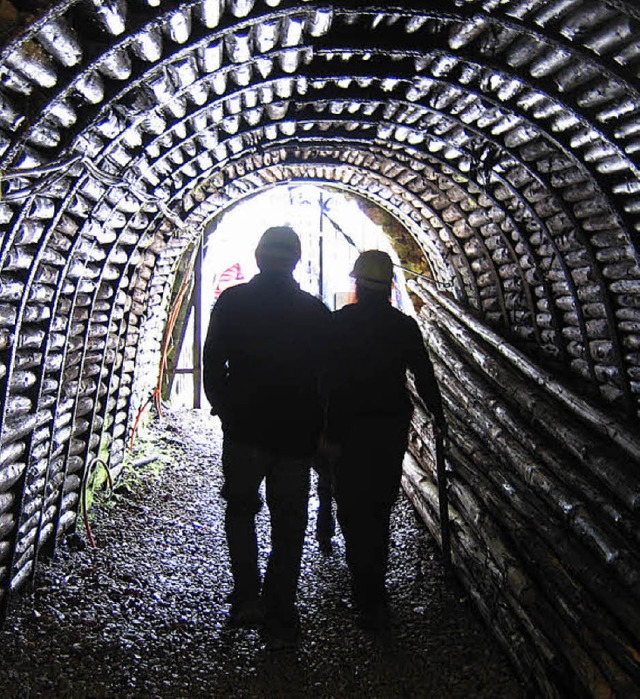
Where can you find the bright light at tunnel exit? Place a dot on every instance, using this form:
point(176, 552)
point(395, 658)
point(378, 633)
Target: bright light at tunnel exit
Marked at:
point(333, 230)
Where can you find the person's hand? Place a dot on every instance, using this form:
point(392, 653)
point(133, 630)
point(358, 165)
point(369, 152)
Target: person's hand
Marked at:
point(440, 430)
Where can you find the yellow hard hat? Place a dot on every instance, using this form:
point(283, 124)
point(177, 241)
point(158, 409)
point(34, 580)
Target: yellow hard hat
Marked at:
point(279, 243)
point(373, 269)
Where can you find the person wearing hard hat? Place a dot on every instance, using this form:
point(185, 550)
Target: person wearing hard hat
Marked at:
point(261, 363)
point(369, 409)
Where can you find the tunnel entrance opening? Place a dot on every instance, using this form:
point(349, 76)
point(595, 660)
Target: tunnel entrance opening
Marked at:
point(334, 225)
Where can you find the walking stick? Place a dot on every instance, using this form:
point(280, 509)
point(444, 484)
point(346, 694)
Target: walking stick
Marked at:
point(443, 500)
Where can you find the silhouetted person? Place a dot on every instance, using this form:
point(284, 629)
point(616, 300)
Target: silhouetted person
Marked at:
point(261, 362)
point(369, 410)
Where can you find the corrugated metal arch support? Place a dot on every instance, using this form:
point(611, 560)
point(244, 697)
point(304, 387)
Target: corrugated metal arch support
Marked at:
point(358, 171)
point(504, 136)
point(559, 219)
point(430, 86)
point(483, 222)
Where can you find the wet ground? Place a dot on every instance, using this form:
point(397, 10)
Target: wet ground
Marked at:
point(144, 613)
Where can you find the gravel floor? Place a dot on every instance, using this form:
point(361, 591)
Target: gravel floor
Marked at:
point(144, 615)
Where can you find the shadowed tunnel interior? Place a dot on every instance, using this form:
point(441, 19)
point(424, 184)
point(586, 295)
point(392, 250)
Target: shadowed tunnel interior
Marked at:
point(501, 136)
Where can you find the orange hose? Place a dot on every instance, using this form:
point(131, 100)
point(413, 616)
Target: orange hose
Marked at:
point(85, 479)
point(138, 417)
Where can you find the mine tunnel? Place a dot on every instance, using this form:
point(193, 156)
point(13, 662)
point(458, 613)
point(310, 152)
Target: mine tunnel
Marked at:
point(497, 145)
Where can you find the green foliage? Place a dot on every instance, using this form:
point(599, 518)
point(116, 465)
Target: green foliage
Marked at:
point(103, 449)
point(95, 482)
point(136, 477)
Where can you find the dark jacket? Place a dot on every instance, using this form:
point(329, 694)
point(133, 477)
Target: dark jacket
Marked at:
point(261, 364)
point(371, 347)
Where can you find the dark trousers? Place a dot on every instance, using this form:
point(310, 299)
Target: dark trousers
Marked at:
point(287, 493)
point(324, 467)
point(368, 476)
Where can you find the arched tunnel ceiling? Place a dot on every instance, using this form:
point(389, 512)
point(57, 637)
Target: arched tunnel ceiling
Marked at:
point(505, 135)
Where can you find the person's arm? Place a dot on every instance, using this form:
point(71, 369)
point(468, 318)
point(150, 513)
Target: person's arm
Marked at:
point(425, 380)
point(214, 358)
